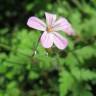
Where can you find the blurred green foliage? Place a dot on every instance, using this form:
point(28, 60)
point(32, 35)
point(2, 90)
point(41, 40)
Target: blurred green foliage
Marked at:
point(25, 71)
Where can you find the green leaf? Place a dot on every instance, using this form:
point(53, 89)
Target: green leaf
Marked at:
point(66, 82)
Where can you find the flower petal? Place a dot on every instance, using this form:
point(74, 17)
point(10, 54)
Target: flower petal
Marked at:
point(63, 25)
point(50, 18)
point(36, 23)
point(46, 40)
point(60, 41)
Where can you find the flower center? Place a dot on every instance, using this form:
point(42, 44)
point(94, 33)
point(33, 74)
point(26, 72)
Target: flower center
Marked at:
point(49, 29)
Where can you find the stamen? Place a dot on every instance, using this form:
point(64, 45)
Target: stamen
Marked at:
point(49, 29)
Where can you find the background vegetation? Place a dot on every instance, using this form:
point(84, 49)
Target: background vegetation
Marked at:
point(71, 72)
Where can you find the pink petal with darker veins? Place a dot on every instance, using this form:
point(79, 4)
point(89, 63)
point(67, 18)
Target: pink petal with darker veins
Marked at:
point(60, 41)
point(46, 40)
point(50, 18)
point(63, 25)
point(36, 23)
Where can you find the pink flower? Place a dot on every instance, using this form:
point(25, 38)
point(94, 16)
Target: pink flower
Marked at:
point(51, 35)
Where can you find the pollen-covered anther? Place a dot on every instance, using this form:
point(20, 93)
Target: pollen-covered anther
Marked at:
point(49, 29)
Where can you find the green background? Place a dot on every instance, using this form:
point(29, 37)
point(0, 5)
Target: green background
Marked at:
point(71, 72)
